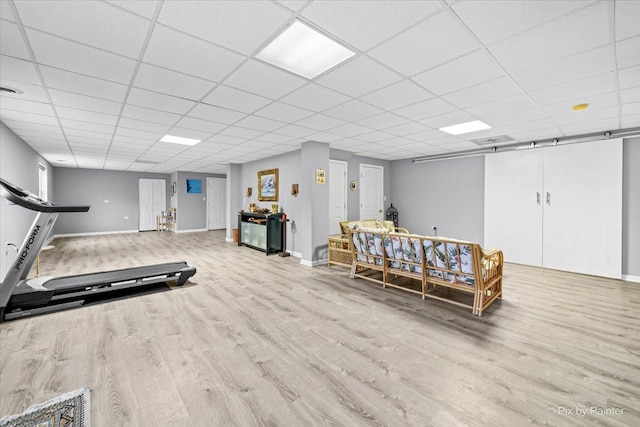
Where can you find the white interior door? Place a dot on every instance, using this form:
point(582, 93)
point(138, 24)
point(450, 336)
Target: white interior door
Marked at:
point(513, 205)
point(337, 195)
point(152, 199)
point(216, 203)
point(371, 191)
point(583, 208)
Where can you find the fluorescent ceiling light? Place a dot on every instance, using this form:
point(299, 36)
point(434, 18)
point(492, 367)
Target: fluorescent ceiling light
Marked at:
point(468, 127)
point(180, 140)
point(304, 51)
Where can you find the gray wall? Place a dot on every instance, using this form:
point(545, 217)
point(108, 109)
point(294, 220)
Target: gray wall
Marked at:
point(19, 166)
point(314, 223)
point(289, 172)
point(448, 194)
point(631, 207)
point(192, 208)
point(92, 187)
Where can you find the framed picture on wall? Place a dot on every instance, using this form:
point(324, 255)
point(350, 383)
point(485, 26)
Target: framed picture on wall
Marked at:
point(194, 186)
point(268, 185)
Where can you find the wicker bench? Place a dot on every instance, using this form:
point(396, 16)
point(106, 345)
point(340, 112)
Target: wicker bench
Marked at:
point(436, 263)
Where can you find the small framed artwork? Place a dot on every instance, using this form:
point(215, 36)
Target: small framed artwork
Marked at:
point(353, 186)
point(268, 185)
point(194, 186)
point(320, 176)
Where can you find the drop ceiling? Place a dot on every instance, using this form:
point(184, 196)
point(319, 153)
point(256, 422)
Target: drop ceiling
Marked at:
point(103, 81)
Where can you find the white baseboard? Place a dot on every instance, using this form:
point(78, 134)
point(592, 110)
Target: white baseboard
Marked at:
point(229, 239)
point(630, 278)
point(295, 254)
point(195, 230)
point(314, 263)
point(96, 233)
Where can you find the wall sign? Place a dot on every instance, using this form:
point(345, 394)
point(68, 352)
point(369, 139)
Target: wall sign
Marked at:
point(320, 176)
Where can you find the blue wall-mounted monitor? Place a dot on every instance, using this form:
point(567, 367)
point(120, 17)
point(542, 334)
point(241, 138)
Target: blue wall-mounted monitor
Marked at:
point(194, 186)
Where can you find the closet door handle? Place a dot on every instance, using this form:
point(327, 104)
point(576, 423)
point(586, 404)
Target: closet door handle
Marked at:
point(537, 197)
point(548, 198)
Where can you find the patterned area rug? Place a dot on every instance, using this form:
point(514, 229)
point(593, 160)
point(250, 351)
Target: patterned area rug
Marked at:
point(67, 410)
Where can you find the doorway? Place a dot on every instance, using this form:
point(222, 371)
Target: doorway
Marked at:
point(337, 195)
point(371, 191)
point(152, 195)
point(216, 203)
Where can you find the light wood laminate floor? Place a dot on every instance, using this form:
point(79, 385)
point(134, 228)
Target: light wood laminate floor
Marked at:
point(257, 340)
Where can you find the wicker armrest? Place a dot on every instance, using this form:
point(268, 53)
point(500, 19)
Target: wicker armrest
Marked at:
point(402, 230)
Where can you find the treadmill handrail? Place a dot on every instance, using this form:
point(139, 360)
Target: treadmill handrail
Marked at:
point(30, 201)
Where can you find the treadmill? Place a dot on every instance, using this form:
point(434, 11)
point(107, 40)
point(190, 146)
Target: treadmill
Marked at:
point(22, 297)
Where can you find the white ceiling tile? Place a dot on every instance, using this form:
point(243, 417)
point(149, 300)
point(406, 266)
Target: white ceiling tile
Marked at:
point(594, 101)
point(382, 121)
point(422, 110)
point(358, 77)
point(145, 98)
point(17, 104)
point(375, 136)
point(6, 11)
point(18, 126)
point(397, 95)
point(627, 18)
point(239, 132)
point(630, 95)
point(353, 111)
point(187, 133)
point(502, 106)
point(22, 116)
point(575, 89)
point(87, 126)
point(631, 108)
point(86, 116)
point(234, 99)
point(259, 123)
point(172, 83)
point(29, 92)
point(293, 5)
point(629, 77)
point(149, 115)
point(18, 70)
point(628, 52)
point(517, 117)
point(364, 24)
point(263, 79)
point(59, 53)
point(520, 127)
point(225, 140)
point(588, 126)
point(315, 98)
point(283, 112)
point(82, 102)
point(324, 137)
point(448, 119)
point(274, 138)
point(350, 130)
point(632, 120)
point(501, 87)
point(585, 116)
point(177, 51)
point(200, 125)
point(145, 8)
point(320, 122)
point(11, 41)
point(216, 114)
point(126, 122)
point(414, 51)
point(94, 22)
point(407, 129)
point(494, 21)
point(565, 70)
point(469, 70)
point(295, 131)
point(241, 25)
point(582, 30)
point(72, 82)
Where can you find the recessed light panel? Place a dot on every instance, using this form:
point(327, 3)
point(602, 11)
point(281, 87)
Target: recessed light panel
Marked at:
point(180, 140)
point(468, 127)
point(304, 51)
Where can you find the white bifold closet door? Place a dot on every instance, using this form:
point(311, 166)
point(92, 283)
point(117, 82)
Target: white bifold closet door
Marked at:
point(152, 194)
point(557, 207)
